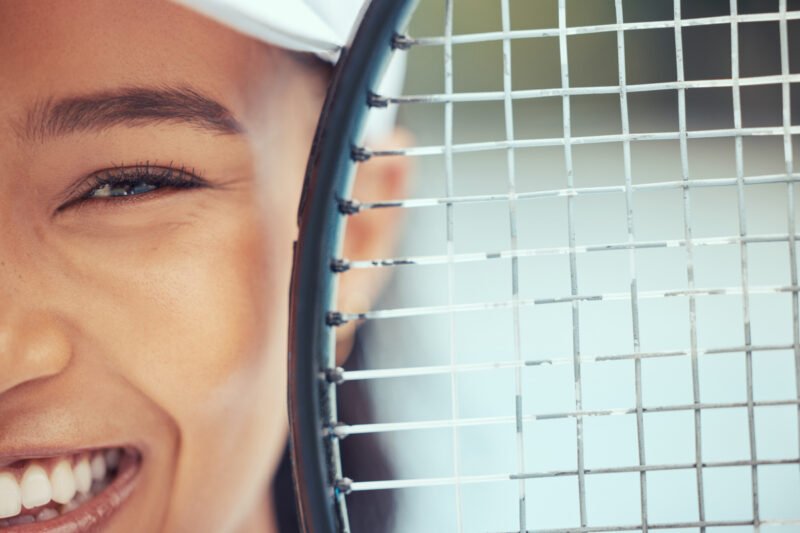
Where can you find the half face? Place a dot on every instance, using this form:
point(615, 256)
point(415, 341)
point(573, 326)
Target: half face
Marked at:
point(150, 167)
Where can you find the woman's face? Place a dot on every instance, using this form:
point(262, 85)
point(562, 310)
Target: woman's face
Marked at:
point(150, 168)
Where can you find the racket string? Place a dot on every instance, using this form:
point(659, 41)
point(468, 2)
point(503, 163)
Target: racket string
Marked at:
point(353, 206)
point(342, 430)
point(573, 269)
point(463, 148)
point(339, 375)
point(450, 227)
point(788, 153)
point(629, 193)
point(508, 116)
point(686, 185)
point(343, 264)
point(743, 252)
point(533, 94)
point(361, 486)
point(488, 37)
point(338, 318)
point(690, 277)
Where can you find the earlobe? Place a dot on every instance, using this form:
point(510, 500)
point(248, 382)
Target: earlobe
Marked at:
point(372, 234)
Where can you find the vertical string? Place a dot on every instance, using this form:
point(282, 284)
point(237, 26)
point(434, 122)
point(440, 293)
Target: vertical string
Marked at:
point(573, 268)
point(789, 163)
point(737, 124)
point(687, 230)
point(512, 216)
point(449, 187)
point(626, 154)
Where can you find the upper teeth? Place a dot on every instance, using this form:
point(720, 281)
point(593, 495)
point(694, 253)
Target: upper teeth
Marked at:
point(60, 480)
point(63, 481)
point(10, 495)
point(83, 475)
point(36, 488)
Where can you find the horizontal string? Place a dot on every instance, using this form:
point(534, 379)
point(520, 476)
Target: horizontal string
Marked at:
point(529, 94)
point(785, 131)
point(675, 525)
point(362, 375)
point(343, 430)
point(419, 151)
point(339, 318)
point(597, 28)
point(582, 191)
point(360, 486)
point(425, 260)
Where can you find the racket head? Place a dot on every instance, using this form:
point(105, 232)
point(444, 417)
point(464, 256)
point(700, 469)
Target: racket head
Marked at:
point(313, 336)
point(328, 179)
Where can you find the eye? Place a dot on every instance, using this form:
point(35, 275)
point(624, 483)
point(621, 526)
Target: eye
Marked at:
point(126, 183)
point(109, 190)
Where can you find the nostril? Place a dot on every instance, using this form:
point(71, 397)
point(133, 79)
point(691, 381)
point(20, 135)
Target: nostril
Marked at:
point(33, 346)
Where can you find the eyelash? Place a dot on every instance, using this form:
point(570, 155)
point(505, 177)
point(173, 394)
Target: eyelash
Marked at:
point(152, 177)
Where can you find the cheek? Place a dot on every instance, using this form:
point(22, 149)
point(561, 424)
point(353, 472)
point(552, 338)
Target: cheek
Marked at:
point(186, 308)
point(194, 315)
point(228, 381)
point(223, 321)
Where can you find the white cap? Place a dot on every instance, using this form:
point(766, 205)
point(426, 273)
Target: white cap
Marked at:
point(318, 26)
point(321, 27)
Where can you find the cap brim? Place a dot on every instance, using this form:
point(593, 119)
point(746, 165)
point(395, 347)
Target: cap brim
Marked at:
point(291, 25)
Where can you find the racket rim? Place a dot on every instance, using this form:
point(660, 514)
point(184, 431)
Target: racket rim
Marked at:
point(328, 177)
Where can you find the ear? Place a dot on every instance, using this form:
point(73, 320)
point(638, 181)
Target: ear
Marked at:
point(372, 233)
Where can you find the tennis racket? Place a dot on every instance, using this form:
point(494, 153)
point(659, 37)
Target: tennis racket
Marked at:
point(591, 322)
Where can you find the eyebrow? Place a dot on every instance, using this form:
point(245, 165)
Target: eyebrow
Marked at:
point(130, 106)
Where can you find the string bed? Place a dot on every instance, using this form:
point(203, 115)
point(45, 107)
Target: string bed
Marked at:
point(700, 325)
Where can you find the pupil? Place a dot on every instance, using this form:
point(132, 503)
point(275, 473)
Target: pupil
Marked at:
point(127, 189)
point(142, 187)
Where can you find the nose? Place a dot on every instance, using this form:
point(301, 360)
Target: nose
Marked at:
point(33, 345)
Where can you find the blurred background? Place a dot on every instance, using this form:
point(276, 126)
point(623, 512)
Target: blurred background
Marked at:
point(605, 342)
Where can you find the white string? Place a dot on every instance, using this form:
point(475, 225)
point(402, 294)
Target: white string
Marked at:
point(573, 269)
point(388, 427)
point(415, 203)
point(788, 154)
point(450, 191)
point(529, 94)
point(425, 260)
point(737, 123)
point(626, 150)
point(464, 148)
point(512, 216)
point(500, 364)
point(601, 28)
point(573, 299)
point(687, 228)
point(493, 478)
point(515, 360)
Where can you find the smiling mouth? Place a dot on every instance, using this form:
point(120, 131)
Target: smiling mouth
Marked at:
point(66, 494)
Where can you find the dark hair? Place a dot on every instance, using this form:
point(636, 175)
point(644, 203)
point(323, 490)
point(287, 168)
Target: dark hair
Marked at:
point(362, 459)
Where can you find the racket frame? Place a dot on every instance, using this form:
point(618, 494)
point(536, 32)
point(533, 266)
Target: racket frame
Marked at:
point(312, 338)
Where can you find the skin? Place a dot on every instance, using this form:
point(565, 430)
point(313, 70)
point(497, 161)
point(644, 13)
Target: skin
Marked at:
point(159, 322)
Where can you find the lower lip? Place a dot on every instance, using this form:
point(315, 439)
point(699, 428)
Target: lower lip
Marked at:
point(96, 512)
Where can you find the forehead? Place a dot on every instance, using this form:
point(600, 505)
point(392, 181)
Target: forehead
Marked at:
point(51, 48)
